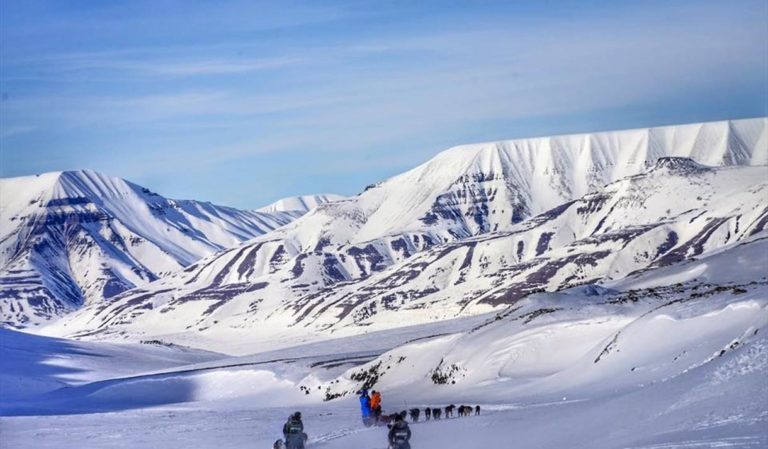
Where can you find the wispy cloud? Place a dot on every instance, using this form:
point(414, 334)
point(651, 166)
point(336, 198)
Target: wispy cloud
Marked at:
point(216, 67)
point(8, 131)
point(93, 65)
point(547, 71)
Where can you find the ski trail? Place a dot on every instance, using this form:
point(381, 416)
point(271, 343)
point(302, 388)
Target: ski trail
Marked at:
point(337, 434)
point(731, 442)
point(329, 437)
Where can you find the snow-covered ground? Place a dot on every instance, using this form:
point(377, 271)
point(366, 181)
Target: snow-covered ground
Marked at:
point(671, 358)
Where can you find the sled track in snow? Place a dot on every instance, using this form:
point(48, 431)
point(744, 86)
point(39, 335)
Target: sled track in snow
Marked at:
point(732, 442)
point(341, 433)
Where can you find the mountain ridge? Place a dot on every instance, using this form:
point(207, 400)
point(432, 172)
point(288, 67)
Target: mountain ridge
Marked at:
point(78, 236)
point(334, 255)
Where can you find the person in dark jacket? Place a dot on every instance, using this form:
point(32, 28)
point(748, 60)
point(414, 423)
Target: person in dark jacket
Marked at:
point(365, 408)
point(399, 434)
point(293, 431)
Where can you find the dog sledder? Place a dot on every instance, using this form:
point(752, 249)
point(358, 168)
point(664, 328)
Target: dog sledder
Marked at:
point(293, 434)
point(399, 433)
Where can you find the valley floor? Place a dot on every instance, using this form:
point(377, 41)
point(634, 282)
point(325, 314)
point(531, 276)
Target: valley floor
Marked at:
point(661, 416)
point(721, 404)
point(673, 358)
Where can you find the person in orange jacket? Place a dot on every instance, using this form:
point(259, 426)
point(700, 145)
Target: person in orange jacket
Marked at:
point(376, 404)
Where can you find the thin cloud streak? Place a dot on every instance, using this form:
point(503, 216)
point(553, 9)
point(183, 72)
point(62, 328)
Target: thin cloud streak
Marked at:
point(165, 68)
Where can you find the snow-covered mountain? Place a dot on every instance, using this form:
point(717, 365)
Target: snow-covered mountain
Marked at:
point(303, 203)
point(473, 229)
point(76, 237)
point(627, 308)
point(677, 211)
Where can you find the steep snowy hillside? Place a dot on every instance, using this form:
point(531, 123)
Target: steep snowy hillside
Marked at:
point(361, 262)
point(304, 203)
point(76, 237)
point(677, 211)
point(590, 340)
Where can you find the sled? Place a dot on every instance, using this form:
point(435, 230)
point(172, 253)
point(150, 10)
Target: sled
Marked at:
point(404, 445)
point(280, 444)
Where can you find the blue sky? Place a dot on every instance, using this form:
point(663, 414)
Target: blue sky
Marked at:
point(243, 102)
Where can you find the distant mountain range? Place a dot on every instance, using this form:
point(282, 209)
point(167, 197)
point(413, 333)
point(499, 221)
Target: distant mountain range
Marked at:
point(73, 238)
point(303, 203)
point(474, 229)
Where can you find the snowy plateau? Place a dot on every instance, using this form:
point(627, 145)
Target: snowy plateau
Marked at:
point(604, 290)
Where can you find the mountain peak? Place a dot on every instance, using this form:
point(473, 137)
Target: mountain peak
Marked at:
point(302, 203)
point(680, 165)
point(74, 237)
point(85, 182)
point(81, 173)
point(78, 176)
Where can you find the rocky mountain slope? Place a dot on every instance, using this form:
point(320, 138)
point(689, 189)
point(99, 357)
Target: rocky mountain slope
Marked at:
point(474, 229)
point(592, 340)
point(77, 237)
point(677, 211)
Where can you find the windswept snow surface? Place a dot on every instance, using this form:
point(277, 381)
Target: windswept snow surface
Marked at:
point(33, 365)
point(636, 363)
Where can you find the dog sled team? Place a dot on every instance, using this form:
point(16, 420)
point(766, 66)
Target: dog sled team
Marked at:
point(399, 434)
point(370, 410)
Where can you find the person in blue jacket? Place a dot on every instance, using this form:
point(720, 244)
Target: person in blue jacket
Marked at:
point(365, 408)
